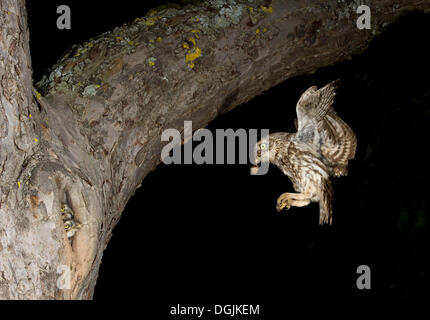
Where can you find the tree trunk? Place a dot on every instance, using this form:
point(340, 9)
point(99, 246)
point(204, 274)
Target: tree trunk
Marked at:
point(91, 132)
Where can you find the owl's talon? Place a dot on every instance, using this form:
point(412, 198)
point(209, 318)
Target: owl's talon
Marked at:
point(282, 203)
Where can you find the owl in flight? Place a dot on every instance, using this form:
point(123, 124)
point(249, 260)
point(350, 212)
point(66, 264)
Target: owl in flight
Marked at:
point(320, 148)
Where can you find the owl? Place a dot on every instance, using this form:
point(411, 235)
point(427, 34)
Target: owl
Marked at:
point(320, 149)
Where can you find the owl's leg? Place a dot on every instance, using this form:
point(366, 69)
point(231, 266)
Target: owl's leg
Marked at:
point(287, 200)
point(300, 203)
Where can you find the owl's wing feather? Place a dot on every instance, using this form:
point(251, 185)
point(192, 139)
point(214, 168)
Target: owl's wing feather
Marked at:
point(319, 125)
point(314, 104)
point(339, 143)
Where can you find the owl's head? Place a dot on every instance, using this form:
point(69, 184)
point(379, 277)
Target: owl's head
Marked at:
point(269, 148)
point(263, 152)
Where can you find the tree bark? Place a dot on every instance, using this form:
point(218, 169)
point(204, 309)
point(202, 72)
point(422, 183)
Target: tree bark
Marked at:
point(91, 132)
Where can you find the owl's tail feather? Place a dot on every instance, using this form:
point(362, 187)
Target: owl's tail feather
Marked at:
point(326, 200)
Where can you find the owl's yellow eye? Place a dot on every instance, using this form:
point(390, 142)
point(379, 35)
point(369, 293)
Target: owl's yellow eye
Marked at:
point(263, 146)
point(66, 227)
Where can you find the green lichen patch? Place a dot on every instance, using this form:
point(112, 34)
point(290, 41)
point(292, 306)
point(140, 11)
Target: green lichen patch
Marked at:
point(151, 61)
point(90, 90)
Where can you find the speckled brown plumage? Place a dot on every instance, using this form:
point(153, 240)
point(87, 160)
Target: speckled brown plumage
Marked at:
point(321, 147)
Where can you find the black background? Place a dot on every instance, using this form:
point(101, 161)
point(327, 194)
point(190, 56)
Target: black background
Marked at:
point(210, 233)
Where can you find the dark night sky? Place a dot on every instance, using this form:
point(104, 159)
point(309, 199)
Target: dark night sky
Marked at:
point(211, 234)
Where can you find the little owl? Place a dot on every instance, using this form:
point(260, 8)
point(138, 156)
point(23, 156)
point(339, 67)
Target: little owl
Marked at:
point(320, 148)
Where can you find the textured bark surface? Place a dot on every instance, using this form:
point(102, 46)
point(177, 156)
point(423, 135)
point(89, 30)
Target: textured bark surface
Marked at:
point(91, 132)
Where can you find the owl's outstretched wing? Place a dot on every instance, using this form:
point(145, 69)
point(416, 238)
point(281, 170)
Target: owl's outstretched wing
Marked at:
point(314, 105)
point(319, 125)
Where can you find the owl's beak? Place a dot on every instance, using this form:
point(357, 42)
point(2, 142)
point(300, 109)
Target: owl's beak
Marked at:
point(254, 169)
point(257, 162)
